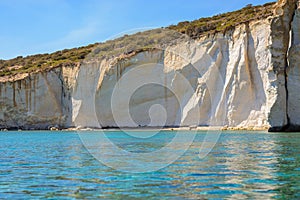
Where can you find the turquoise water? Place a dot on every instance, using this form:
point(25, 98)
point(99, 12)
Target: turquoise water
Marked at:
point(242, 165)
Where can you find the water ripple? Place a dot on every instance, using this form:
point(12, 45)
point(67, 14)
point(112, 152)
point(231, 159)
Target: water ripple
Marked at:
point(242, 165)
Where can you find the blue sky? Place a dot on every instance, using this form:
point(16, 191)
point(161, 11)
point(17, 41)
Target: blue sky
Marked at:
point(43, 26)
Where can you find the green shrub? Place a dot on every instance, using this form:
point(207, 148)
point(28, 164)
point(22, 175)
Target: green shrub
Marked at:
point(136, 42)
point(221, 22)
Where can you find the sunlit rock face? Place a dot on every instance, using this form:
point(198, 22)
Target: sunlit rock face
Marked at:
point(247, 77)
point(38, 101)
point(228, 83)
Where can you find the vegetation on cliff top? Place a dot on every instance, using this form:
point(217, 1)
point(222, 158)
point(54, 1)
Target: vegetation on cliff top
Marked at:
point(223, 22)
point(138, 41)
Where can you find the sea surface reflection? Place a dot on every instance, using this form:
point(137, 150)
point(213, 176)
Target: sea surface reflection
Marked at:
point(56, 165)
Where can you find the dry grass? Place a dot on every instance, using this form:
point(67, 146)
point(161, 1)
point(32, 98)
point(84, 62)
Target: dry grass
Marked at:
point(223, 22)
point(136, 42)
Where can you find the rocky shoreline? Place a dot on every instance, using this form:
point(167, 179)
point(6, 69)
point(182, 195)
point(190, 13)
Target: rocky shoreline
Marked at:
point(203, 128)
point(246, 78)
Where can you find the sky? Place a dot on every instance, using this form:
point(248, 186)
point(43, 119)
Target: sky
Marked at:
point(44, 26)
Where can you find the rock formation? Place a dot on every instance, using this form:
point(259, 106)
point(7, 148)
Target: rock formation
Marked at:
point(247, 77)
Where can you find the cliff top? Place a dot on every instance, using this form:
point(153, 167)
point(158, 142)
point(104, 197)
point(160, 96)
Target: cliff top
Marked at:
point(225, 21)
point(136, 42)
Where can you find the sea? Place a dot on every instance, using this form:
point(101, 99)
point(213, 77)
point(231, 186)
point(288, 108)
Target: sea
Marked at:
point(149, 164)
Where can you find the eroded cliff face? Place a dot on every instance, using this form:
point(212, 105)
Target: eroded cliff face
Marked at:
point(279, 45)
point(293, 73)
point(38, 101)
point(245, 78)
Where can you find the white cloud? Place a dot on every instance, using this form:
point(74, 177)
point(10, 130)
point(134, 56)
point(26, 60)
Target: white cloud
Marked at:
point(73, 38)
point(79, 34)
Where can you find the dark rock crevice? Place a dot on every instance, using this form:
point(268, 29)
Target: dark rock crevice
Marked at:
point(290, 126)
point(287, 38)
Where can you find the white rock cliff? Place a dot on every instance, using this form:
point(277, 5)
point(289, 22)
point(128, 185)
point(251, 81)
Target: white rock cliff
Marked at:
point(247, 77)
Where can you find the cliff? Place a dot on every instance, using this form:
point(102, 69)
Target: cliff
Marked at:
point(244, 76)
